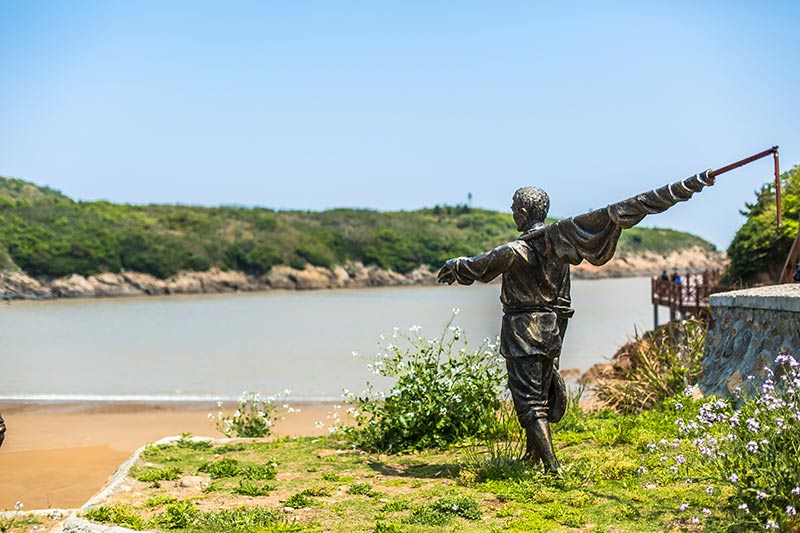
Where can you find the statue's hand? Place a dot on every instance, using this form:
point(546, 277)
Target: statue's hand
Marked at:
point(446, 274)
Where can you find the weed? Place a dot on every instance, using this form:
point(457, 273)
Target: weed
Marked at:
point(178, 515)
point(247, 488)
point(150, 474)
point(253, 417)
point(186, 441)
point(362, 489)
point(264, 471)
point(157, 501)
point(225, 467)
point(117, 514)
point(298, 501)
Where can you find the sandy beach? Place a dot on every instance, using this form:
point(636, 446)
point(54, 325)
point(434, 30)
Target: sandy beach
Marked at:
point(59, 455)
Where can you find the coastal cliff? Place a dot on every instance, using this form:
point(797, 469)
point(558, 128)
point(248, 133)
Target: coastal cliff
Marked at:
point(17, 285)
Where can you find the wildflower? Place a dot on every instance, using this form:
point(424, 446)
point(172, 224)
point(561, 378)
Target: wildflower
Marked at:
point(695, 520)
point(641, 470)
point(683, 507)
point(790, 511)
point(678, 406)
point(752, 425)
point(761, 495)
point(743, 507)
point(710, 489)
point(771, 525)
point(319, 424)
point(752, 446)
point(18, 506)
point(796, 491)
point(680, 459)
point(706, 511)
point(733, 478)
point(456, 310)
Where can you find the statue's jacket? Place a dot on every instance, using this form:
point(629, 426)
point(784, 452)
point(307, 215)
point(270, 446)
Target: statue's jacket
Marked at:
point(535, 291)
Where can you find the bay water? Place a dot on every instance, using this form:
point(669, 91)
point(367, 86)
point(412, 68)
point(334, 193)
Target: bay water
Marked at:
point(202, 347)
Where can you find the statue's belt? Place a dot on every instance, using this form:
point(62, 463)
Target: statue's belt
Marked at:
point(562, 311)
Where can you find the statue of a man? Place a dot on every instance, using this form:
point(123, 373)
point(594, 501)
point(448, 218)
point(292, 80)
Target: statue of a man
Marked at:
point(536, 290)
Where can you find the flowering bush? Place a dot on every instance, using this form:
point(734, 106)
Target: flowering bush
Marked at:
point(749, 451)
point(254, 417)
point(443, 394)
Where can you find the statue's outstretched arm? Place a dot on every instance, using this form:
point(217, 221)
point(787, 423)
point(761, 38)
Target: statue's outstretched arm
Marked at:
point(593, 236)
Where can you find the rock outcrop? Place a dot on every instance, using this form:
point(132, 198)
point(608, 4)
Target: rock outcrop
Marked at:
point(17, 285)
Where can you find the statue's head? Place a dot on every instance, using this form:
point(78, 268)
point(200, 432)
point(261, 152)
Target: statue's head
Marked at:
point(530, 205)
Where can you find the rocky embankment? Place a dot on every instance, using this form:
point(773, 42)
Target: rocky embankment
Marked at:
point(18, 285)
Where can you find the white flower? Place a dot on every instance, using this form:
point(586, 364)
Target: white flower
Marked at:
point(683, 507)
point(710, 490)
point(319, 424)
point(733, 478)
point(695, 520)
point(791, 511)
point(456, 310)
point(18, 506)
point(771, 525)
point(706, 511)
point(761, 495)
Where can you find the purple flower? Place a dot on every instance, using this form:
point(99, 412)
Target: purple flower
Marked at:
point(791, 511)
point(752, 446)
point(683, 507)
point(796, 491)
point(733, 478)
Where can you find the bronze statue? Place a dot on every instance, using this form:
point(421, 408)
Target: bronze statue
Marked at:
point(536, 291)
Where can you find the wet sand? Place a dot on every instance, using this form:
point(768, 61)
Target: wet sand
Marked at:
point(59, 455)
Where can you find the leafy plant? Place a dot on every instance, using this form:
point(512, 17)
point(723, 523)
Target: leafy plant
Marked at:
point(253, 418)
point(249, 488)
point(298, 500)
point(443, 393)
point(225, 467)
point(151, 474)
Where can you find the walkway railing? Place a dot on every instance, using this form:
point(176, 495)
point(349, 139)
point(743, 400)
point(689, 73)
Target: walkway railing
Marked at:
point(686, 298)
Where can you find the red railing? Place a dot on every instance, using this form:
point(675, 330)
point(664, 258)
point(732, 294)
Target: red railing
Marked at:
point(689, 297)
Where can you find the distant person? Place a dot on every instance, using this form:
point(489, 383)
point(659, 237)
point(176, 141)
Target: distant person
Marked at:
point(797, 273)
point(2, 430)
point(664, 276)
point(676, 278)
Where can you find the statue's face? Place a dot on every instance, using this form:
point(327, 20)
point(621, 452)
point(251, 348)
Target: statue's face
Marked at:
point(520, 215)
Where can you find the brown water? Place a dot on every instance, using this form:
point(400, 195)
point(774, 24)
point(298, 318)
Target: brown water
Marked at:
point(200, 347)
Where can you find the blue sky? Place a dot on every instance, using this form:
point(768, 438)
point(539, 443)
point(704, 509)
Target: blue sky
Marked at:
point(399, 105)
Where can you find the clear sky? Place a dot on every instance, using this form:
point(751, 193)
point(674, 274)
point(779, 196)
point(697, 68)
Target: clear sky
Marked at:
point(399, 105)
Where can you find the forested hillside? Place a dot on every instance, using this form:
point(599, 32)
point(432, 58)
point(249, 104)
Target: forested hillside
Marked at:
point(759, 250)
point(47, 234)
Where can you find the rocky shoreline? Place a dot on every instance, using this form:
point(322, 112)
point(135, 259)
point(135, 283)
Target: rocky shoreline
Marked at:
point(16, 285)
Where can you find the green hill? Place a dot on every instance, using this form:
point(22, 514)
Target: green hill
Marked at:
point(47, 234)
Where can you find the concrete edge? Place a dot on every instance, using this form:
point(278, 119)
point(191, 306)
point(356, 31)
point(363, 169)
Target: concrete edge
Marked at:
point(75, 524)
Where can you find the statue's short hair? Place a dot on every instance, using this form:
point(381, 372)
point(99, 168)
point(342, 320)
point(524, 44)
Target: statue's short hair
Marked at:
point(535, 201)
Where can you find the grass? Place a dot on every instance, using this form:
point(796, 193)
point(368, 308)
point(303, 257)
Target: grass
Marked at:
point(319, 484)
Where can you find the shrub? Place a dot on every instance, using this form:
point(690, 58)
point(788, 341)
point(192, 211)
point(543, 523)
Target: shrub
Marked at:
point(443, 394)
point(248, 488)
point(253, 418)
point(654, 367)
point(298, 501)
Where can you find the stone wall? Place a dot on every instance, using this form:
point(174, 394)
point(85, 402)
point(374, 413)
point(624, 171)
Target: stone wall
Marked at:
point(748, 329)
